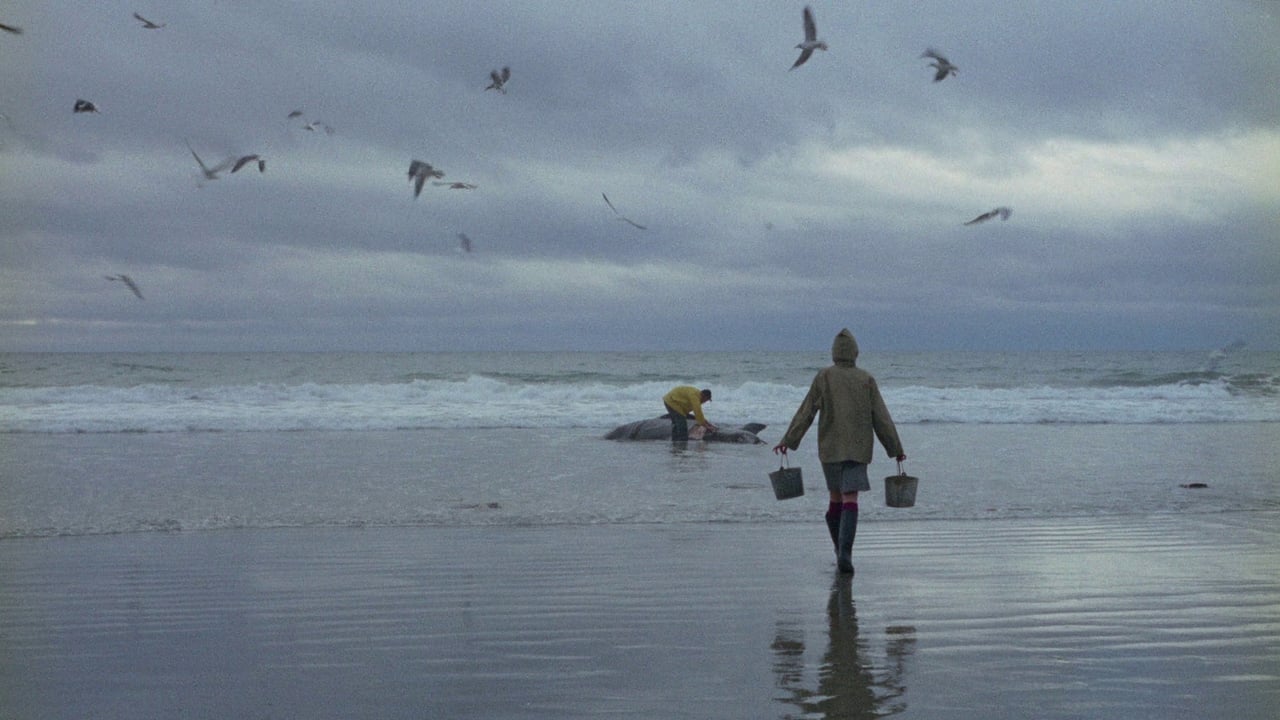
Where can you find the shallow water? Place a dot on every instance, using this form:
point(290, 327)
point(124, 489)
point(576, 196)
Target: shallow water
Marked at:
point(109, 483)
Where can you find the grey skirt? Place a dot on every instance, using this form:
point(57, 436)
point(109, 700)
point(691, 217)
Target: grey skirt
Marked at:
point(846, 477)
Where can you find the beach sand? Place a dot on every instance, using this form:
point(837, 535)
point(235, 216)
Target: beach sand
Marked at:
point(1161, 616)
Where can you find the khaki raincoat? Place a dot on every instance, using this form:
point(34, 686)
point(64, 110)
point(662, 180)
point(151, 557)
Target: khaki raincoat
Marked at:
point(851, 409)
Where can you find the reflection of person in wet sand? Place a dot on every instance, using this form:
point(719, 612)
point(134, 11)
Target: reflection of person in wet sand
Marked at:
point(845, 686)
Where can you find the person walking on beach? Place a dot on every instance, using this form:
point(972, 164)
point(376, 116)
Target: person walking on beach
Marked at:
point(851, 409)
point(682, 401)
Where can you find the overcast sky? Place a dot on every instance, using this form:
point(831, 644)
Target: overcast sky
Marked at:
point(1138, 144)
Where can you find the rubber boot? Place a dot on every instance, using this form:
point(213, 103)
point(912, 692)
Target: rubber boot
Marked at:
point(833, 525)
point(848, 529)
point(679, 427)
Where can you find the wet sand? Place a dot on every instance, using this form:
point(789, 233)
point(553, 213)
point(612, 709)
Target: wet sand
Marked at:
point(1172, 615)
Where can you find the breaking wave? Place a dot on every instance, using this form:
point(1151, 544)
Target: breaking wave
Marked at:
point(481, 401)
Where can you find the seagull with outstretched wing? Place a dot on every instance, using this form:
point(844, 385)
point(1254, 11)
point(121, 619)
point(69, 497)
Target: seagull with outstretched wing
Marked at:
point(128, 281)
point(1003, 212)
point(499, 79)
point(245, 160)
point(419, 171)
point(147, 24)
point(811, 41)
point(210, 173)
point(622, 217)
point(943, 65)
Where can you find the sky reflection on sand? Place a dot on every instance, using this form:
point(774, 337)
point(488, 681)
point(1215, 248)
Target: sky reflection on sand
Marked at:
point(955, 619)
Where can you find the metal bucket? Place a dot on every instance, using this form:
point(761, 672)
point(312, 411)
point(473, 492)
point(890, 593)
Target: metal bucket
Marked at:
point(786, 482)
point(900, 489)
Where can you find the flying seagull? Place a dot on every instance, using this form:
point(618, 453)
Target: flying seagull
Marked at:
point(811, 41)
point(133, 286)
point(147, 24)
point(627, 220)
point(419, 172)
point(245, 160)
point(464, 242)
point(210, 173)
point(311, 125)
point(1003, 212)
point(84, 106)
point(943, 65)
point(499, 78)
point(11, 29)
point(455, 185)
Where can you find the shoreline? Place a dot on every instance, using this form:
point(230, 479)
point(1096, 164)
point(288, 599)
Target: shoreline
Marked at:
point(898, 517)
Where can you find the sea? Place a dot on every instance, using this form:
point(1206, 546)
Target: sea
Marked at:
point(176, 442)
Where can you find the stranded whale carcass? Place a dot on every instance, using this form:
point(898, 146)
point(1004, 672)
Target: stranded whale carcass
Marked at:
point(659, 428)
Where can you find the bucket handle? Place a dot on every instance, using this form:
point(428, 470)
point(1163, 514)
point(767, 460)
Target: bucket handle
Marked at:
point(900, 470)
point(784, 462)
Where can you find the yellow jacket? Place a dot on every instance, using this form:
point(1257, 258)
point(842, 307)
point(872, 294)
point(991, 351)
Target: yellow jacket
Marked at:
point(686, 399)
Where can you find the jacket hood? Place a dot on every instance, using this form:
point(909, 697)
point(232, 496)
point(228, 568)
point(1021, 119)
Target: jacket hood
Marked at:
point(844, 349)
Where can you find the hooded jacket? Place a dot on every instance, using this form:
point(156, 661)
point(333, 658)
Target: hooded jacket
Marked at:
point(850, 409)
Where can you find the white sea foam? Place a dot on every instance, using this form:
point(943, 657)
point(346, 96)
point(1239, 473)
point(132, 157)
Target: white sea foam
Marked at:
point(483, 402)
